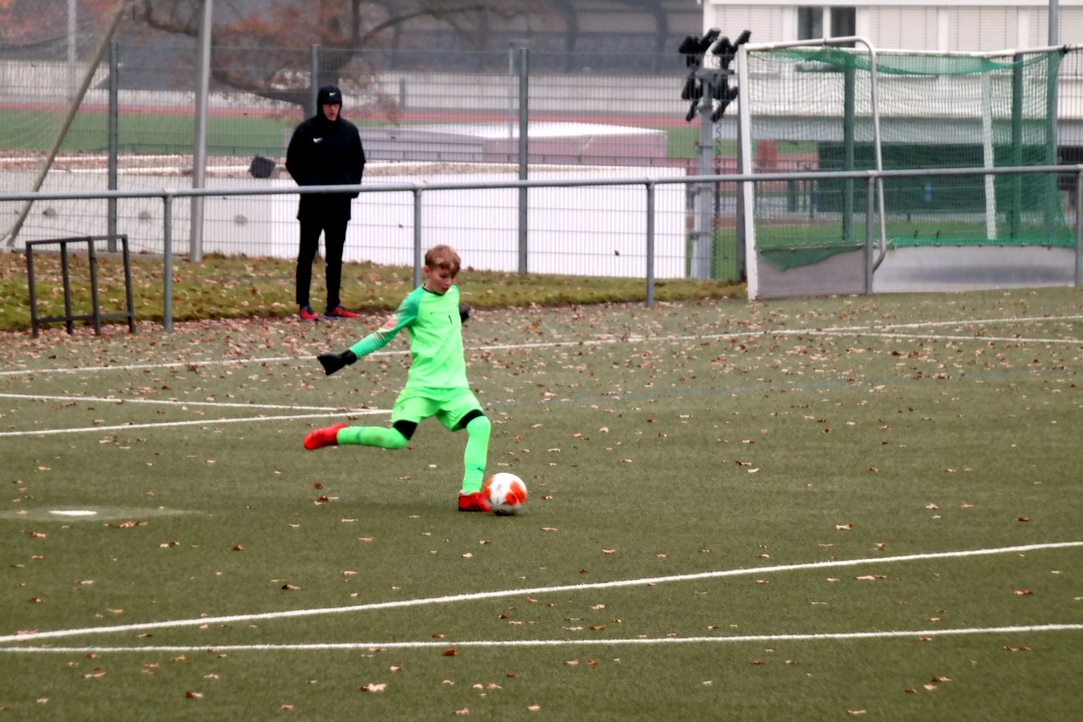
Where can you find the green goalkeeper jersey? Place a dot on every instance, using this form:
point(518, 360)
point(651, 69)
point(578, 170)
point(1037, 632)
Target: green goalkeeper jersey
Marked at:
point(436, 339)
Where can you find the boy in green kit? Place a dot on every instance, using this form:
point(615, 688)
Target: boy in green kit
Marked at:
point(436, 385)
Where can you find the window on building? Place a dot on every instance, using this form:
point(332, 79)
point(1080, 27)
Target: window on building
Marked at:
point(843, 22)
point(811, 21)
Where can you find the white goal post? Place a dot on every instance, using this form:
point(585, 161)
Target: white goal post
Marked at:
point(837, 112)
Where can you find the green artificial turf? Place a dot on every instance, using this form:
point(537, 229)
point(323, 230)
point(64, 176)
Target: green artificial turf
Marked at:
point(738, 511)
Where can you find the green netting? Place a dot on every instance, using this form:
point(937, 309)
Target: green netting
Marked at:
point(894, 62)
point(811, 109)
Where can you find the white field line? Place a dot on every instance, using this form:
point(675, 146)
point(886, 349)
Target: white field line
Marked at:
point(615, 642)
point(174, 364)
point(973, 321)
point(942, 337)
point(886, 330)
point(28, 635)
point(240, 361)
point(198, 422)
point(170, 402)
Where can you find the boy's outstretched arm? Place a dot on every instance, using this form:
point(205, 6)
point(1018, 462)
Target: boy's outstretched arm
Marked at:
point(375, 341)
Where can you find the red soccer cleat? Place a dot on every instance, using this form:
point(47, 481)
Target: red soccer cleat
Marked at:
point(473, 502)
point(307, 314)
point(341, 312)
point(323, 437)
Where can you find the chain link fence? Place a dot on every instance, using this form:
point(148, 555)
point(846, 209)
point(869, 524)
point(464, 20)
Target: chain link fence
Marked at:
point(446, 116)
point(134, 128)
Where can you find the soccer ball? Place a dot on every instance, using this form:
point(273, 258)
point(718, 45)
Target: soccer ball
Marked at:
point(505, 492)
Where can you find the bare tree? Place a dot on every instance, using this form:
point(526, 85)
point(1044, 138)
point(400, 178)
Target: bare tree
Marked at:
point(264, 47)
point(26, 22)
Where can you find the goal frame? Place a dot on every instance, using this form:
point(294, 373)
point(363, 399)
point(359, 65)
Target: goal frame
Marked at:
point(851, 275)
point(744, 134)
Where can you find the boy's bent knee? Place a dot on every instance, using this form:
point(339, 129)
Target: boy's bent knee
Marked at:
point(478, 425)
point(406, 428)
point(468, 417)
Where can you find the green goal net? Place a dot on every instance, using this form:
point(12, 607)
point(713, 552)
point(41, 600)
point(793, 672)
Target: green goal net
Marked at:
point(811, 109)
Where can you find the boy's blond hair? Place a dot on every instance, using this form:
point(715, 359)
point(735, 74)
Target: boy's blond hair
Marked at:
point(445, 257)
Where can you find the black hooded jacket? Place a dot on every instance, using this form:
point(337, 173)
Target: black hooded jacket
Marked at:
point(322, 152)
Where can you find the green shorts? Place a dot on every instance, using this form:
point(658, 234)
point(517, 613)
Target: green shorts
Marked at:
point(446, 405)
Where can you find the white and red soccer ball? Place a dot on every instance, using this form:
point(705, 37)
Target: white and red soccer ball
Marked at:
point(505, 492)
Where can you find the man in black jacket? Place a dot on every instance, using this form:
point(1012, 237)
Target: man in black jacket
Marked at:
point(324, 150)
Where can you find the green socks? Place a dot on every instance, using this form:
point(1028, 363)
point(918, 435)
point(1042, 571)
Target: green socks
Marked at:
point(372, 436)
point(476, 454)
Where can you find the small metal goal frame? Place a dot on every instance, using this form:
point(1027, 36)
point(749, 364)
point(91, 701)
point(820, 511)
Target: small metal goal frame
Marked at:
point(69, 318)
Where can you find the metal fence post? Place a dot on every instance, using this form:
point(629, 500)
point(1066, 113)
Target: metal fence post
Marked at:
point(167, 261)
point(870, 255)
point(524, 150)
point(114, 146)
point(314, 79)
point(650, 243)
point(417, 236)
point(1079, 227)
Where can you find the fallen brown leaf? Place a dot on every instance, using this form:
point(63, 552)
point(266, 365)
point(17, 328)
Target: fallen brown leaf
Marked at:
point(131, 524)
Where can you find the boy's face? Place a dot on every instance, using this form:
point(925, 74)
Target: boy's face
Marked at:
point(438, 280)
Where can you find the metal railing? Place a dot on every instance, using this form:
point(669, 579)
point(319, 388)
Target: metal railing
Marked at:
point(747, 235)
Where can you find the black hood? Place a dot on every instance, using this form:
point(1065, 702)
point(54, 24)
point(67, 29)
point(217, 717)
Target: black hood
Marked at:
point(327, 94)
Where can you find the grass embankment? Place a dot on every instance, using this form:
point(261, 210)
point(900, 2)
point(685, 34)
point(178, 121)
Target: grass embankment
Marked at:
point(238, 287)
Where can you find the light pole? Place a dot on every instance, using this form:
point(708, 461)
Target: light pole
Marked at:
point(73, 57)
point(199, 152)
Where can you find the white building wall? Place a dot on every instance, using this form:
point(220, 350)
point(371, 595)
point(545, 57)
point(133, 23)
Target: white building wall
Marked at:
point(981, 28)
point(1071, 27)
point(764, 21)
point(897, 27)
point(949, 25)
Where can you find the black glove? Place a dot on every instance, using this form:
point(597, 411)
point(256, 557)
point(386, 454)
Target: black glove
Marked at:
point(332, 362)
point(464, 313)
